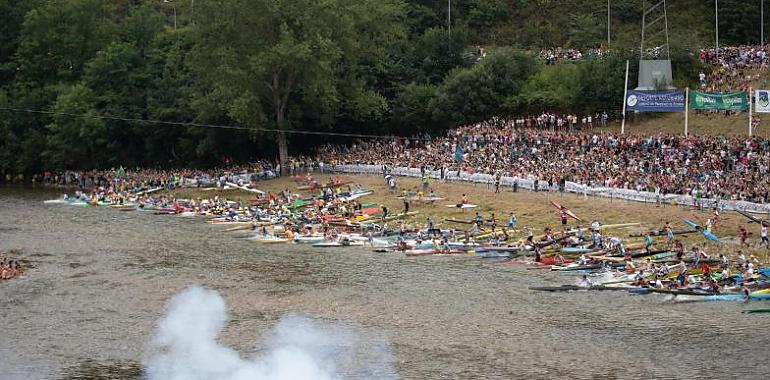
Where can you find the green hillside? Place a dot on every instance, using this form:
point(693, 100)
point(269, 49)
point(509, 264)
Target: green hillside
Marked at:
point(87, 83)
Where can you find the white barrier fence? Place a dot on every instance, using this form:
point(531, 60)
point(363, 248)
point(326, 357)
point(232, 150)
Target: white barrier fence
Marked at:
point(572, 187)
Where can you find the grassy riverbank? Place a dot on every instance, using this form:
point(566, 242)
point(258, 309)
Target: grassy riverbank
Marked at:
point(534, 210)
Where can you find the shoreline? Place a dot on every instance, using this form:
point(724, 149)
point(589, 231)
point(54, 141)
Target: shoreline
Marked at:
point(532, 209)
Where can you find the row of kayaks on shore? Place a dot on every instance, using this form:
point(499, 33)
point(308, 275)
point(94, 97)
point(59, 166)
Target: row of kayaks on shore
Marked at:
point(679, 295)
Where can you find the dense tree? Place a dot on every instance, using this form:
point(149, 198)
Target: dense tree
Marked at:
point(109, 69)
point(484, 90)
point(306, 52)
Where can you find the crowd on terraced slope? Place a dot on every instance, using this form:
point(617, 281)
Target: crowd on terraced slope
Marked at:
point(734, 68)
point(702, 166)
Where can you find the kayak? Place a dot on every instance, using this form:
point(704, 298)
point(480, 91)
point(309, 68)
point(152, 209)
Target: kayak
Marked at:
point(566, 211)
point(576, 250)
point(271, 240)
point(338, 244)
point(356, 195)
point(569, 288)
point(702, 230)
point(462, 206)
point(552, 261)
point(756, 311)
point(429, 252)
point(309, 239)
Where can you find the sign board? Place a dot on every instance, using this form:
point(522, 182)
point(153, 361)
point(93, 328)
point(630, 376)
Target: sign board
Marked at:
point(655, 101)
point(734, 101)
point(763, 101)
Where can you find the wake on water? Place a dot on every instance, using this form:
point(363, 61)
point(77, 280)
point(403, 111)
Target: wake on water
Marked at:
point(185, 347)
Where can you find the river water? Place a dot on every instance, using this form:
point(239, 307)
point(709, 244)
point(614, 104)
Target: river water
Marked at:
point(103, 278)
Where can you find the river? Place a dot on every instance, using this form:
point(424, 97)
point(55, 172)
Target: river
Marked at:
point(101, 279)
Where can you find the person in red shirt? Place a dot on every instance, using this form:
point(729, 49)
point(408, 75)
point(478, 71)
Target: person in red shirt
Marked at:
point(744, 235)
point(706, 270)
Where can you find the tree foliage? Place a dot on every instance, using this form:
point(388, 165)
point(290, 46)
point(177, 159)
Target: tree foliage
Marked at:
point(104, 68)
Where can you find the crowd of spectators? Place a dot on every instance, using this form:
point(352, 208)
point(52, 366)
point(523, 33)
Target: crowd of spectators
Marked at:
point(734, 68)
point(557, 54)
point(702, 166)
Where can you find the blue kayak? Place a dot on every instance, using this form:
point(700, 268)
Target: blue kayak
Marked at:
point(702, 230)
point(576, 250)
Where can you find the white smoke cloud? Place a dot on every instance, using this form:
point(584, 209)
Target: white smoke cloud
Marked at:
point(299, 348)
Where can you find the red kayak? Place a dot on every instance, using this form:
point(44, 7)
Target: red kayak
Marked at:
point(552, 261)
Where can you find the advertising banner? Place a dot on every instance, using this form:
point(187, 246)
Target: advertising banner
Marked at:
point(734, 101)
point(763, 101)
point(655, 101)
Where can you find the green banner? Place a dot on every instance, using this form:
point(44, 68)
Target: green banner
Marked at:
point(734, 101)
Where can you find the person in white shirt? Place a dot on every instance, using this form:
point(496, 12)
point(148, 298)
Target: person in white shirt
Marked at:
point(585, 282)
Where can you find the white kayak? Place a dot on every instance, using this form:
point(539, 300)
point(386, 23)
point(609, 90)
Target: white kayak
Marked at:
point(271, 240)
point(308, 239)
point(356, 195)
point(462, 206)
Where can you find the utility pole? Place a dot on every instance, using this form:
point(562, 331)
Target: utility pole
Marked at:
point(449, 17)
point(608, 24)
point(174, 7)
point(716, 24)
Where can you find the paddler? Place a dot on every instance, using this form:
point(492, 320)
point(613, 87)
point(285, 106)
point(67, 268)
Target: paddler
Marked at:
point(695, 255)
point(511, 221)
point(669, 234)
point(679, 249)
point(370, 237)
point(706, 270)
point(430, 226)
point(641, 279)
point(474, 229)
point(585, 282)
point(744, 236)
point(493, 222)
point(563, 216)
point(647, 243)
point(580, 236)
point(538, 254)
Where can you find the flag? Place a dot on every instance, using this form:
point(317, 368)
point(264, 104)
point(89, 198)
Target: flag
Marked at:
point(459, 153)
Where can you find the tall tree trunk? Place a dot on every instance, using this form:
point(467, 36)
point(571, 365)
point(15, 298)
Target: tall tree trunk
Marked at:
point(283, 145)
